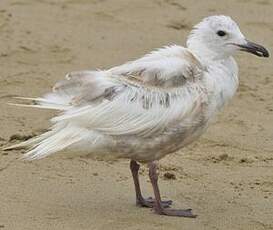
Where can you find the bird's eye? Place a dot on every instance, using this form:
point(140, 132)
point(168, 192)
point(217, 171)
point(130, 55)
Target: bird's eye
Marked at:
point(221, 33)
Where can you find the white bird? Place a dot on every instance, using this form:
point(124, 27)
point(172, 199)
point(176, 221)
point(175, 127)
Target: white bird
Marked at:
point(147, 108)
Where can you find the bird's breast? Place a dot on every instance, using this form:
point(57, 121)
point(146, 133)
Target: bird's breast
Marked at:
point(221, 82)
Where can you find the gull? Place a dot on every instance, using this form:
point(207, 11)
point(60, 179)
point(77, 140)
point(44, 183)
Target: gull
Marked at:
point(148, 108)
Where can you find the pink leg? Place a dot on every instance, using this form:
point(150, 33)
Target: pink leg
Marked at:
point(140, 201)
point(159, 209)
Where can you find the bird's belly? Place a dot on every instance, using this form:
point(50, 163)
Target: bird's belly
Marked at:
point(155, 148)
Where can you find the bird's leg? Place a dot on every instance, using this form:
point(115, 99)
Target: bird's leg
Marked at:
point(159, 209)
point(149, 202)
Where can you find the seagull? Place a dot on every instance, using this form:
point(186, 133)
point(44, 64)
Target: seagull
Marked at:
point(148, 108)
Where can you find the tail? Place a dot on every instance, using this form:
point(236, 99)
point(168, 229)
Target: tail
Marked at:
point(77, 89)
point(55, 140)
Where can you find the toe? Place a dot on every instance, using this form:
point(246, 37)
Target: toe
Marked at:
point(176, 212)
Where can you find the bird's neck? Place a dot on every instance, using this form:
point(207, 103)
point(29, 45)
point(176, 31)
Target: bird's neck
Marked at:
point(222, 81)
point(204, 54)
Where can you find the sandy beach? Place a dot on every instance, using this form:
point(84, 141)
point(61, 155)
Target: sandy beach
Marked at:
point(226, 177)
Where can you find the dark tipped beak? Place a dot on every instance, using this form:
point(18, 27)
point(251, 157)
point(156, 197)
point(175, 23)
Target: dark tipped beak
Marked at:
point(255, 49)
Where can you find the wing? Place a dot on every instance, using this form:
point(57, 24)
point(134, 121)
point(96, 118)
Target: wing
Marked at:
point(140, 98)
point(143, 98)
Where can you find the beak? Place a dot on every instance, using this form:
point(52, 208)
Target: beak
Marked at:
point(254, 48)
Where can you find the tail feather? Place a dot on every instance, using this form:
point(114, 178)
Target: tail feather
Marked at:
point(78, 89)
point(56, 141)
point(25, 144)
point(59, 138)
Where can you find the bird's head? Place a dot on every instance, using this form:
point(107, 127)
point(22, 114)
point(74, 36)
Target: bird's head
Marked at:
point(218, 37)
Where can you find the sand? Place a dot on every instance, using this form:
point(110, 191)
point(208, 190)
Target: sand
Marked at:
point(226, 177)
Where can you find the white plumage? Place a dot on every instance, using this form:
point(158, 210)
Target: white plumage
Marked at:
point(146, 108)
